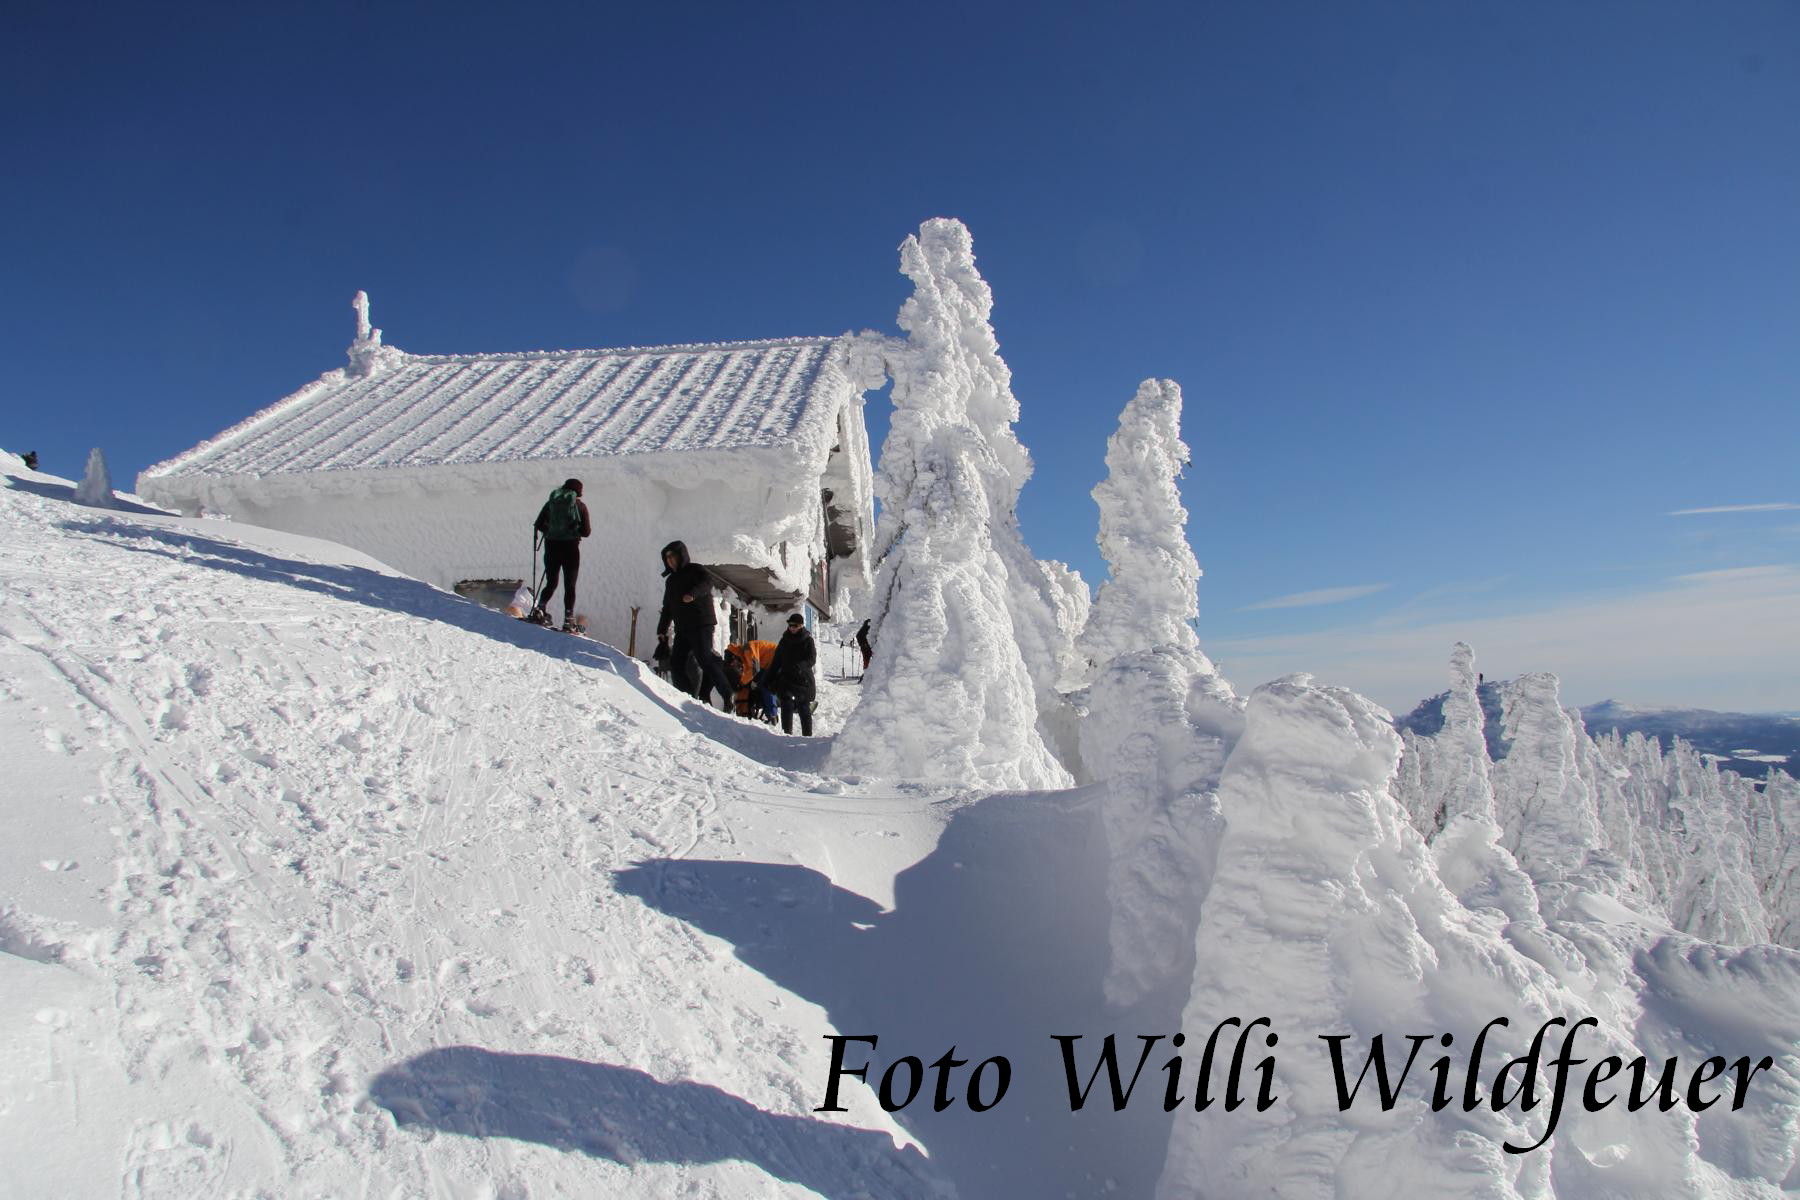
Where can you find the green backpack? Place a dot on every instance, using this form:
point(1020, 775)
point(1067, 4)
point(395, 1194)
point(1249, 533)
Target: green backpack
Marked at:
point(561, 516)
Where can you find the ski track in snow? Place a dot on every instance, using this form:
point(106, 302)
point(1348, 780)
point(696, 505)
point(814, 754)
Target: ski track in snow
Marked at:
point(336, 885)
point(327, 857)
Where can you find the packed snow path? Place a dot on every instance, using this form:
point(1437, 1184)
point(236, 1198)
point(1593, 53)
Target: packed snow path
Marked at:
point(321, 881)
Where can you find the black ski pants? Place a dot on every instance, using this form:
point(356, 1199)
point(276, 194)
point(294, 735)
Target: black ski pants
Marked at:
point(707, 673)
point(563, 556)
point(791, 704)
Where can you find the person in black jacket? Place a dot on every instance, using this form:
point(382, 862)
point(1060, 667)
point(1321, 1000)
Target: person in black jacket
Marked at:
point(791, 675)
point(862, 643)
point(564, 522)
point(688, 606)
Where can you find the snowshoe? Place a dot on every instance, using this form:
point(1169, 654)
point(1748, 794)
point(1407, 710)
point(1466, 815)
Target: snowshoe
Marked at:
point(538, 616)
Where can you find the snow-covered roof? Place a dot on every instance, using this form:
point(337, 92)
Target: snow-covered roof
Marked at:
point(402, 410)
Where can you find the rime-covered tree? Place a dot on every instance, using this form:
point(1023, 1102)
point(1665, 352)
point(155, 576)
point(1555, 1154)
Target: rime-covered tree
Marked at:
point(1159, 719)
point(1150, 595)
point(1710, 852)
point(949, 695)
point(1326, 911)
point(1542, 803)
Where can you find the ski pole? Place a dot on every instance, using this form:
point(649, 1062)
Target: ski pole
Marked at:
point(536, 542)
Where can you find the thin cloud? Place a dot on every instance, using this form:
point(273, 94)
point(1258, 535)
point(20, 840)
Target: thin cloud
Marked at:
point(1438, 598)
point(1734, 508)
point(1737, 574)
point(1724, 640)
point(1322, 596)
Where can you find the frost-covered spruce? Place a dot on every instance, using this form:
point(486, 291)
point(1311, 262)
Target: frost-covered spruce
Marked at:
point(1445, 774)
point(1773, 815)
point(949, 696)
point(1464, 765)
point(1540, 799)
point(1159, 719)
point(95, 487)
point(1706, 845)
point(949, 330)
point(1150, 594)
point(1328, 915)
point(1709, 851)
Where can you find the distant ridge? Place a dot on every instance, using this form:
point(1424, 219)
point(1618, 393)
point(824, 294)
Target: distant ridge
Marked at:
point(1749, 743)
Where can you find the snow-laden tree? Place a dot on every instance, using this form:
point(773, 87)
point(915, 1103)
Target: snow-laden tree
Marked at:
point(1540, 799)
point(1150, 595)
point(1451, 768)
point(959, 604)
point(1329, 916)
point(1773, 815)
point(1712, 853)
point(95, 487)
point(1697, 838)
point(956, 336)
point(1446, 769)
point(1160, 720)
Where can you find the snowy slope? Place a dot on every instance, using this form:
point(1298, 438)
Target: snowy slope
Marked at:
point(318, 881)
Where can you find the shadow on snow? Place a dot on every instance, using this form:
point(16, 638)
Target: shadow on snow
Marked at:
point(66, 491)
point(625, 1115)
point(996, 942)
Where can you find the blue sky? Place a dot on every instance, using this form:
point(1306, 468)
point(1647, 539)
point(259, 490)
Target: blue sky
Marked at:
point(1466, 299)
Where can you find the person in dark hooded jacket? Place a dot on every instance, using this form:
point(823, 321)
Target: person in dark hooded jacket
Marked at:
point(688, 607)
point(791, 675)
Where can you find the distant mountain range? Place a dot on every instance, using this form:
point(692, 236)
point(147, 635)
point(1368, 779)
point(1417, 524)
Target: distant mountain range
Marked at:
point(1748, 743)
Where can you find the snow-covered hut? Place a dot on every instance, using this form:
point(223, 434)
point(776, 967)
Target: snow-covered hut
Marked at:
point(753, 453)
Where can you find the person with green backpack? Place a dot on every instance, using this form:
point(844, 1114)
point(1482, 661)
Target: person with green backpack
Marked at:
point(562, 523)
